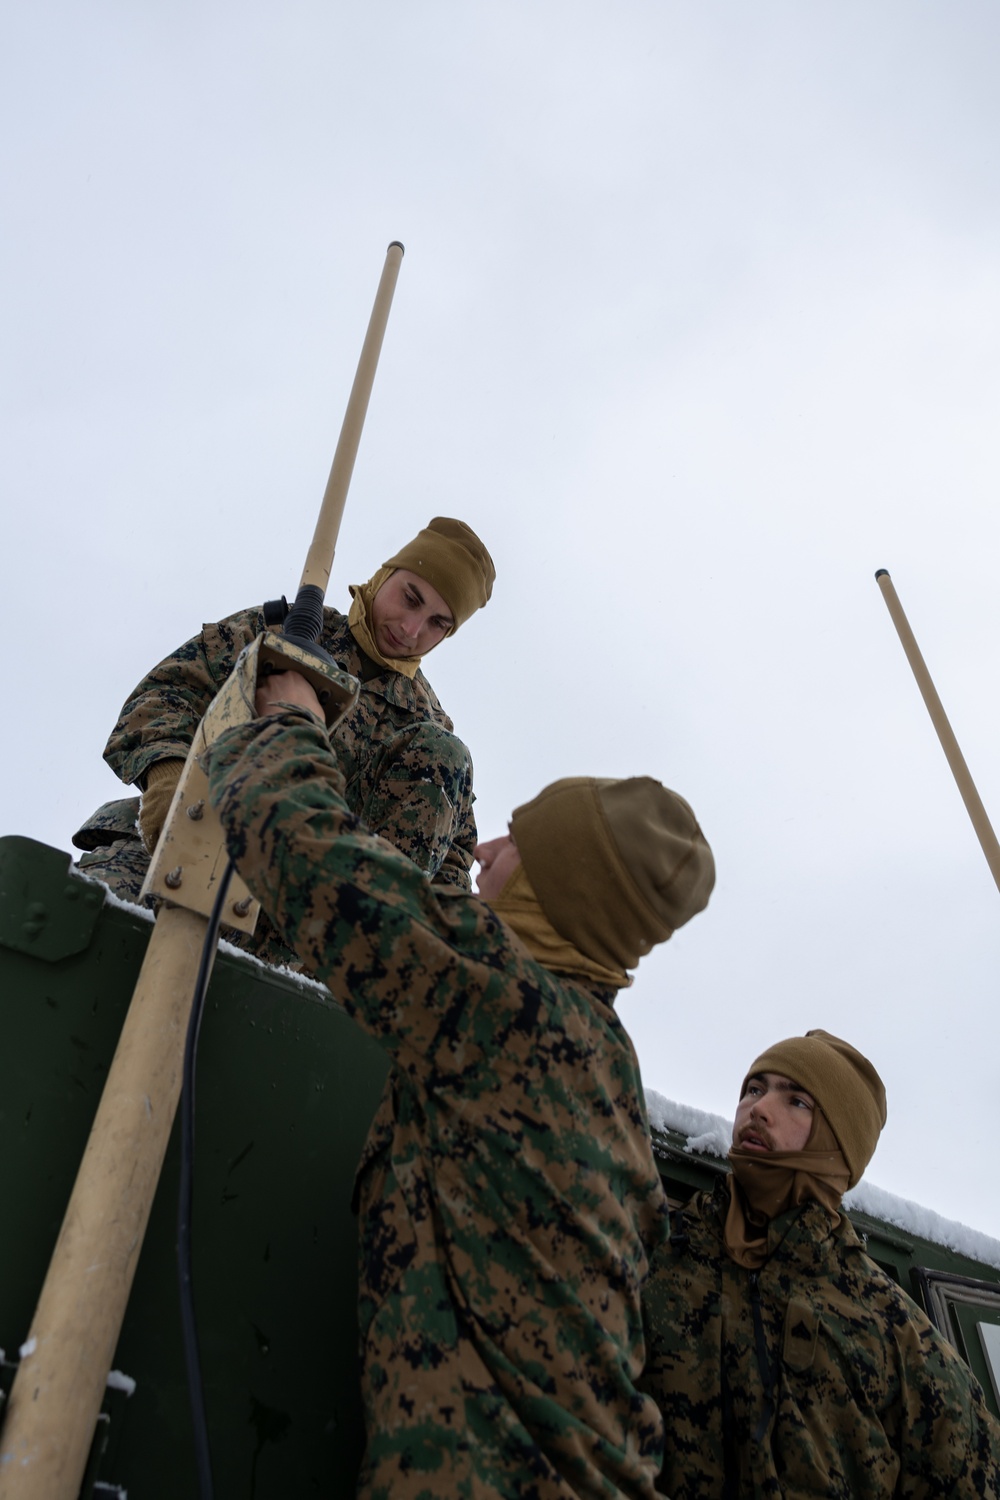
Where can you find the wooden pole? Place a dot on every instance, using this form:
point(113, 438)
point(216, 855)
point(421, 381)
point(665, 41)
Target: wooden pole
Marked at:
point(945, 733)
point(56, 1397)
point(319, 560)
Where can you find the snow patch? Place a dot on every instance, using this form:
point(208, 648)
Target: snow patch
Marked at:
point(110, 898)
point(707, 1133)
point(304, 981)
point(913, 1219)
point(711, 1135)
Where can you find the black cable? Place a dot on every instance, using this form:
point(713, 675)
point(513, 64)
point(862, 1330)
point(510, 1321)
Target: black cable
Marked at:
point(186, 1195)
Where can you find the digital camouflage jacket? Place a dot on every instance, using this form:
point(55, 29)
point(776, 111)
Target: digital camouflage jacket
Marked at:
point(815, 1376)
point(509, 1192)
point(407, 774)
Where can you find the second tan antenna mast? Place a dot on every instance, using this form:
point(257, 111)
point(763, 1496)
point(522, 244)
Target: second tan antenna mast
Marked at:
point(945, 733)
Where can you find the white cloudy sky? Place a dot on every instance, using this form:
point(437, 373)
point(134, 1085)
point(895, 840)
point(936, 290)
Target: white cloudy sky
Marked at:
point(698, 325)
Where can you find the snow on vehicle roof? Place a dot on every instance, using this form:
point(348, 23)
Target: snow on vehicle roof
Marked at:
point(711, 1135)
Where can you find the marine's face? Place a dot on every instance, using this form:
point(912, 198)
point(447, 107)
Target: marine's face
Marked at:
point(774, 1114)
point(498, 859)
point(409, 617)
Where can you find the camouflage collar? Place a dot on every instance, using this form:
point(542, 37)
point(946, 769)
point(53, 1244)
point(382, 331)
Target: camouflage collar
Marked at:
point(802, 1236)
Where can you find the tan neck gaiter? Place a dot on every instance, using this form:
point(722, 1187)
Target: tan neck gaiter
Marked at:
point(362, 595)
point(517, 905)
point(765, 1185)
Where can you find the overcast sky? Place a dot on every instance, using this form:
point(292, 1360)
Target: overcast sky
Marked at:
point(698, 325)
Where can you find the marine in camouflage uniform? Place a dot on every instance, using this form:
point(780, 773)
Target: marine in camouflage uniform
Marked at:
point(509, 1194)
point(784, 1361)
point(113, 847)
point(407, 774)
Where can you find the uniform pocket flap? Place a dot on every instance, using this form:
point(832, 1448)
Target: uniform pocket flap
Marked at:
point(801, 1330)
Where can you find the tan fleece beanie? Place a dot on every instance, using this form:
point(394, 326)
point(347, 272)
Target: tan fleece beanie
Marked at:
point(844, 1084)
point(453, 560)
point(617, 866)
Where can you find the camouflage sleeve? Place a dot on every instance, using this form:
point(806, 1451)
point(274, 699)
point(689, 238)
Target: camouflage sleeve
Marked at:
point(159, 718)
point(421, 801)
point(456, 867)
point(947, 1439)
point(420, 972)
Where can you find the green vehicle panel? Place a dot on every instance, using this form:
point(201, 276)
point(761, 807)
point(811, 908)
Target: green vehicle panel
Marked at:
point(285, 1091)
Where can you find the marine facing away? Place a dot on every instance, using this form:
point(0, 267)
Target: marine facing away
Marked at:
point(406, 772)
point(785, 1361)
point(509, 1196)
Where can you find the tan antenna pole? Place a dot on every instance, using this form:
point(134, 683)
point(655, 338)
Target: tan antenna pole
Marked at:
point(57, 1392)
point(319, 561)
point(945, 733)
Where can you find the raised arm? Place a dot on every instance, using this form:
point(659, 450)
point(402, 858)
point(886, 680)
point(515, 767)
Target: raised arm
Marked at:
point(417, 970)
point(159, 718)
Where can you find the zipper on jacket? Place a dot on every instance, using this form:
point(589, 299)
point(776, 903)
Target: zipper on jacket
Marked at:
point(768, 1372)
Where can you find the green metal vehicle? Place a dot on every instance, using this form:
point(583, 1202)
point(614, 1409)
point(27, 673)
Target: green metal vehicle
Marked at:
point(286, 1089)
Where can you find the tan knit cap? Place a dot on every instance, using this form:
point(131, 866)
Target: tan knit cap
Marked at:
point(453, 560)
point(844, 1084)
point(617, 866)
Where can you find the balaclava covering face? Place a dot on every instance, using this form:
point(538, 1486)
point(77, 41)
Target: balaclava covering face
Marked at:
point(451, 558)
point(849, 1116)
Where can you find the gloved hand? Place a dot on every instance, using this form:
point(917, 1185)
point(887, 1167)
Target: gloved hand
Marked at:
point(161, 783)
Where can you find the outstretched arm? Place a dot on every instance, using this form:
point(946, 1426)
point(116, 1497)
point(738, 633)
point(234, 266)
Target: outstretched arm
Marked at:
point(416, 970)
point(159, 718)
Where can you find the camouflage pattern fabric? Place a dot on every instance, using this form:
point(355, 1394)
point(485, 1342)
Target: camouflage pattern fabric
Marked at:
point(113, 850)
point(816, 1375)
point(115, 854)
point(121, 865)
point(509, 1192)
point(408, 775)
point(111, 822)
point(110, 836)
